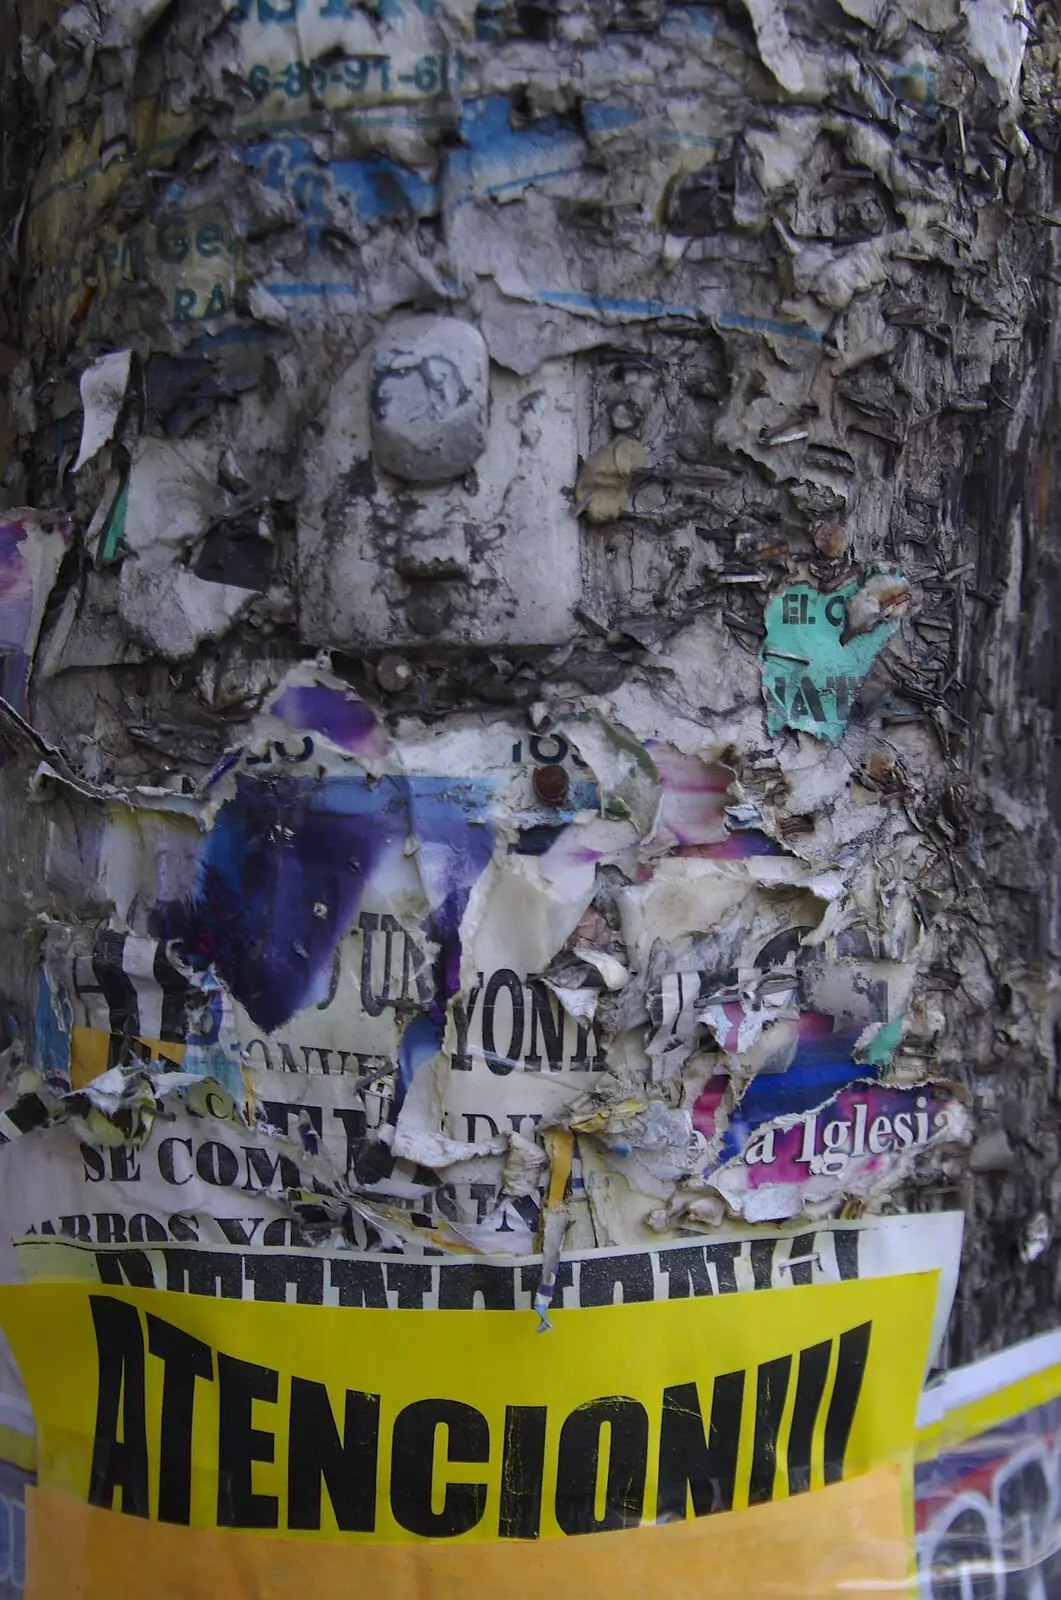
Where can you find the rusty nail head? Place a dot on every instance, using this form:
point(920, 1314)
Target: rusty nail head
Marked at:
point(550, 784)
point(393, 673)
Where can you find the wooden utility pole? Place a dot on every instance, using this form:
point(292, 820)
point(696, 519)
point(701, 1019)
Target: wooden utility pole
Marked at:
point(532, 370)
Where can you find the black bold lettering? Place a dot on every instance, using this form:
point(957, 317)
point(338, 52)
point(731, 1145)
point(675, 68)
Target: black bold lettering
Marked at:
point(412, 1462)
point(598, 1277)
point(125, 1266)
point(578, 1464)
point(166, 1161)
point(185, 1360)
point(284, 1231)
point(812, 697)
point(347, 1466)
point(472, 1120)
point(368, 922)
point(850, 1368)
point(502, 979)
point(28, 1112)
point(810, 1387)
point(462, 1017)
point(323, 1056)
point(800, 1250)
point(522, 1465)
point(686, 1271)
point(264, 1167)
point(769, 1405)
point(125, 1167)
point(691, 1465)
point(238, 1230)
point(95, 1169)
point(176, 992)
point(239, 1445)
point(580, 1061)
point(548, 1014)
point(845, 1243)
point(531, 1277)
point(279, 1114)
point(216, 1272)
point(115, 984)
point(762, 1253)
point(723, 1258)
point(412, 1283)
point(360, 1283)
point(355, 1126)
point(414, 967)
point(487, 1197)
point(216, 1163)
point(271, 1275)
point(119, 1463)
point(146, 1230)
point(459, 1285)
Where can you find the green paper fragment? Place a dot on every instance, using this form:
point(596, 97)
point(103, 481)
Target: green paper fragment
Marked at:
point(881, 1047)
point(114, 532)
point(625, 772)
point(810, 678)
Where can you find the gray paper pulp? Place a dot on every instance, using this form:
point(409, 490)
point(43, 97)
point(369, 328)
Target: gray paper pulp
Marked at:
point(491, 659)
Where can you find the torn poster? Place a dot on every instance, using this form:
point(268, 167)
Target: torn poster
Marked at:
point(850, 1354)
point(31, 552)
point(103, 387)
point(855, 1143)
point(738, 1260)
point(17, 1456)
point(819, 647)
point(401, 983)
point(812, 1540)
point(518, 370)
point(988, 1474)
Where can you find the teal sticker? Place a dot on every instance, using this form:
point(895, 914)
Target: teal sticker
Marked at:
point(114, 531)
point(810, 677)
point(882, 1046)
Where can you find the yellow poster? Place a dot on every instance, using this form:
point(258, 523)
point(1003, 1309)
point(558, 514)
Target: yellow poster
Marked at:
point(845, 1541)
point(387, 1426)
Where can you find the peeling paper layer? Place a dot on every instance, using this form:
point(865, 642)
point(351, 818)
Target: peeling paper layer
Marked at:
point(401, 992)
point(817, 651)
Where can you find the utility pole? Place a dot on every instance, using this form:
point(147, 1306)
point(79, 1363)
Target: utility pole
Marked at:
point(528, 623)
